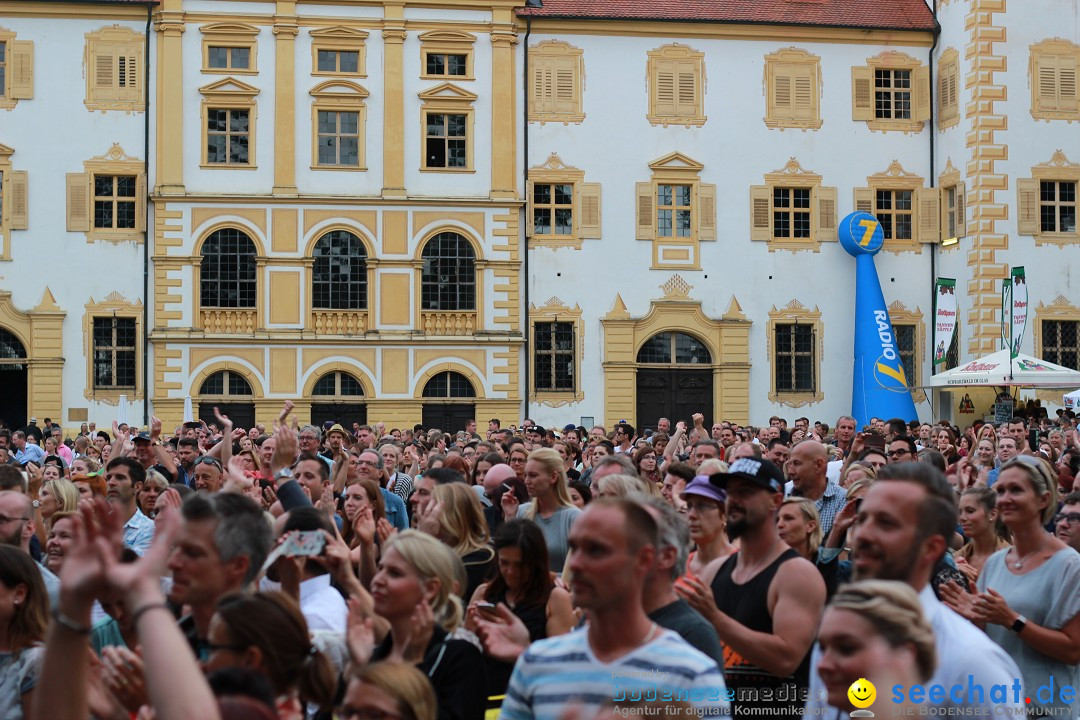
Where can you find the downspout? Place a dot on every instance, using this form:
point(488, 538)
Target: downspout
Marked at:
point(933, 183)
point(149, 229)
point(527, 360)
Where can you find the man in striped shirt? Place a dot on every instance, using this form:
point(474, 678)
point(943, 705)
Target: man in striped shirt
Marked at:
point(621, 658)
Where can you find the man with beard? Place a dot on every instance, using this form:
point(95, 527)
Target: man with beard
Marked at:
point(904, 525)
point(124, 478)
point(765, 601)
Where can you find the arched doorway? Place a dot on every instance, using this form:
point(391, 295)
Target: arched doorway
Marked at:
point(443, 408)
point(231, 394)
point(338, 397)
point(674, 379)
point(13, 381)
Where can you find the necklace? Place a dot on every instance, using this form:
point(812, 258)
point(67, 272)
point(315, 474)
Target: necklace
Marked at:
point(1019, 562)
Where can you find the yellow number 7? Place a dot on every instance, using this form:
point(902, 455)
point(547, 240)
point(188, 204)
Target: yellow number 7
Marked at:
point(869, 226)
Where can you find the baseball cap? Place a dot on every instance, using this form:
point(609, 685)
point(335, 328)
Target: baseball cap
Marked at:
point(758, 471)
point(141, 436)
point(701, 486)
point(569, 427)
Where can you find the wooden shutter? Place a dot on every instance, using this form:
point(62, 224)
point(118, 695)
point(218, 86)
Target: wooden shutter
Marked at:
point(140, 202)
point(1066, 85)
point(826, 214)
point(20, 200)
point(782, 92)
point(664, 104)
point(760, 213)
point(565, 97)
point(1046, 97)
point(921, 78)
point(20, 70)
point(78, 202)
point(646, 217)
point(707, 213)
point(104, 69)
point(862, 93)
point(530, 225)
point(590, 212)
point(127, 75)
point(542, 97)
point(961, 211)
point(803, 100)
point(864, 200)
point(929, 209)
point(686, 77)
point(1027, 197)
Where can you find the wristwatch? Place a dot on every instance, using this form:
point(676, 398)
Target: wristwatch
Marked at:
point(1018, 623)
point(36, 504)
point(283, 474)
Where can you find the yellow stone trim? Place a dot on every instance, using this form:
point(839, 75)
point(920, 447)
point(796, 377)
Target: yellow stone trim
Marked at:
point(122, 42)
point(677, 64)
point(823, 213)
point(230, 35)
point(453, 364)
point(1059, 169)
point(948, 89)
point(115, 305)
point(19, 63)
point(1053, 63)
point(555, 171)
point(232, 364)
point(452, 42)
point(10, 177)
point(560, 62)
point(340, 38)
point(40, 332)
point(795, 312)
point(895, 177)
point(674, 253)
point(795, 67)
point(862, 92)
point(1061, 309)
point(229, 94)
point(448, 99)
point(950, 179)
point(254, 216)
point(900, 315)
point(555, 310)
point(169, 23)
point(350, 366)
point(114, 162)
point(339, 96)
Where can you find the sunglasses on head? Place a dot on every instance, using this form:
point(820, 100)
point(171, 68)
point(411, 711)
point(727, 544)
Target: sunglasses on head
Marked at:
point(206, 459)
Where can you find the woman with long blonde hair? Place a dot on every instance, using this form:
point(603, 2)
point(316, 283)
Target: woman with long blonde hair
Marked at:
point(550, 507)
point(462, 527)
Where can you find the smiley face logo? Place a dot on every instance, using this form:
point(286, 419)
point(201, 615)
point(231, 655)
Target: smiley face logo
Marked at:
point(862, 693)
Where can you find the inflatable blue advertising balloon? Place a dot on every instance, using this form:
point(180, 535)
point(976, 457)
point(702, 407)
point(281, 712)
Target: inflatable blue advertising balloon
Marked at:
point(879, 387)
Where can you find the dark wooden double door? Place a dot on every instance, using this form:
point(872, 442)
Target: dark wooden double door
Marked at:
point(673, 393)
point(448, 417)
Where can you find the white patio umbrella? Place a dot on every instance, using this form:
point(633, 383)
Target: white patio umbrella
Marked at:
point(122, 411)
point(998, 369)
point(1072, 400)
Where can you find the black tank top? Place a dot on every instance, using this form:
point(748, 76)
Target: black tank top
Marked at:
point(535, 619)
point(748, 604)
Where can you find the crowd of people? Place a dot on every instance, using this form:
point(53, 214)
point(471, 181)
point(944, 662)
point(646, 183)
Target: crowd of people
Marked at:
point(372, 573)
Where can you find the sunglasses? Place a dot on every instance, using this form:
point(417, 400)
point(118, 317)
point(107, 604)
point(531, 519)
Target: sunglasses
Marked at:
point(207, 460)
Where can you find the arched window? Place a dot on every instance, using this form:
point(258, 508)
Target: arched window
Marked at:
point(10, 347)
point(449, 276)
point(231, 394)
point(339, 276)
point(227, 279)
point(661, 348)
point(449, 384)
point(338, 384)
point(225, 384)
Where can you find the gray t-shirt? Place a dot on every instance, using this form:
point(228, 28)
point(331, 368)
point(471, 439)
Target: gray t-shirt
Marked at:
point(18, 675)
point(1048, 596)
point(556, 531)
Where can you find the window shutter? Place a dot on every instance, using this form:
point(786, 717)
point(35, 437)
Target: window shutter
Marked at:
point(760, 214)
point(921, 76)
point(686, 105)
point(127, 77)
point(929, 208)
point(140, 203)
point(665, 89)
point(565, 97)
point(20, 70)
point(1027, 196)
point(530, 225)
point(590, 211)
point(864, 200)
point(803, 100)
point(954, 89)
point(782, 92)
point(20, 200)
point(541, 96)
point(862, 93)
point(646, 218)
point(826, 214)
point(104, 59)
point(1048, 80)
point(1067, 95)
point(78, 202)
point(961, 211)
point(707, 216)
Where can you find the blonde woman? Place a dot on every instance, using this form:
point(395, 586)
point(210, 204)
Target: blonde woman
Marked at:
point(620, 485)
point(799, 525)
point(857, 471)
point(56, 496)
point(388, 690)
point(413, 591)
point(152, 487)
point(551, 507)
point(462, 527)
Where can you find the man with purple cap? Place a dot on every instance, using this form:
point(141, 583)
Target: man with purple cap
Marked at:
point(766, 600)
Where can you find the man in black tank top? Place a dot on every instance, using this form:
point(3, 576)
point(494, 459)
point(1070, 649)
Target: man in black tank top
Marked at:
point(765, 601)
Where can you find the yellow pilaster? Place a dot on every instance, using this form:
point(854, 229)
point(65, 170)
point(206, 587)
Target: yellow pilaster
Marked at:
point(503, 97)
point(285, 31)
point(170, 98)
point(393, 139)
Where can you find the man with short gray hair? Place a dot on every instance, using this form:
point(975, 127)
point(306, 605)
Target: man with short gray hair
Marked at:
point(310, 440)
point(617, 464)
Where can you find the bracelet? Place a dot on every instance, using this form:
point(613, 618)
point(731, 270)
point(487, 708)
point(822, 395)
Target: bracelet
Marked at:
point(147, 608)
point(72, 625)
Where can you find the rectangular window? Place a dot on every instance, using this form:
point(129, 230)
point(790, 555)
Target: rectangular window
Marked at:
point(114, 353)
point(895, 212)
point(554, 358)
point(228, 133)
point(1057, 206)
point(339, 138)
point(673, 211)
point(446, 140)
point(1060, 342)
point(892, 94)
point(553, 209)
point(905, 346)
point(228, 58)
point(791, 212)
point(795, 358)
point(446, 64)
point(3, 68)
point(114, 202)
point(339, 61)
